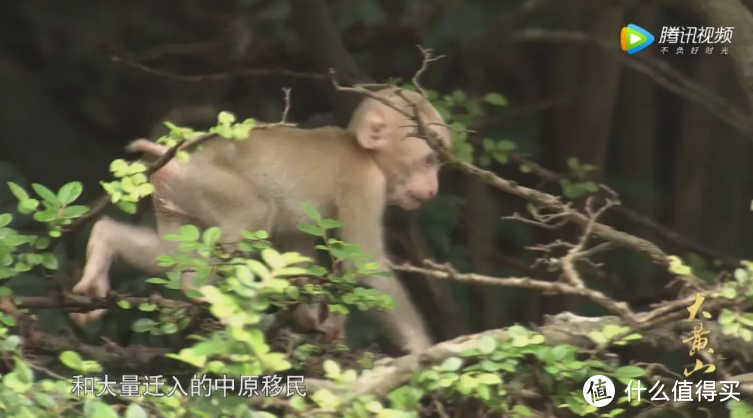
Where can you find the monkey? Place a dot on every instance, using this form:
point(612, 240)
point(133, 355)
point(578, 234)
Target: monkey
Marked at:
point(261, 183)
point(331, 327)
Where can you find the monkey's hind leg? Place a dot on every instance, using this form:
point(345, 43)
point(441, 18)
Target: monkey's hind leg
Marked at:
point(220, 197)
point(110, 240)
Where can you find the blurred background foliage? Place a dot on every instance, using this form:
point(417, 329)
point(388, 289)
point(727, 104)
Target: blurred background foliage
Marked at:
point(78, 80)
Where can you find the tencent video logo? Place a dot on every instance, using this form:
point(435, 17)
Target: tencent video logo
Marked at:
point(634, 38)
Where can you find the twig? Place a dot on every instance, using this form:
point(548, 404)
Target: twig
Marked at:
point(568, 261)
point(666, 233)
point(220, 76)
point(447, 273)
point(534, 196)
point(427, 59)
point(80, 303)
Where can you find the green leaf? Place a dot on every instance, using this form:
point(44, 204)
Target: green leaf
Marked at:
point(244, 274)
point(311, 230)
point(451, 364)
point(72, 360)
point(44, 400)
point(42, 243)
point(169, 328)
point(331, 223)
point(46, 194)
point(292, 292)
point(189, 233)
point(727, 317)
point(138, 179)
point(127, 185)
point(98, 409)
point(136, 168)
point(598, 337)
point(44, 216)
point(142, 325)
point(312, 212)
point(315, 270)
point(746, 334)
point(7, 320)
point(134, 410)
point(50, 261)
point(590, 186)
point(516, 331)
point(241, 131)
point(331, 369)
point(224, 130)
point(145, 189)
point(5, 219)
point(70, 192)
point(75, 211)
point(211, 235)
point(28, 206)
point(147, 307)
point(489, 379)
point(226, 118)
point(33, 259)
point(487, 344)
point(272, 258)
point(127, 207)
point(522, 411)
point(536, 339)
point(741, 276)
point(118, 165)
point(18, 191)
point(728, 293)
point(746, 318)
point(506, 145)
point(495, 99)
point(627, 372)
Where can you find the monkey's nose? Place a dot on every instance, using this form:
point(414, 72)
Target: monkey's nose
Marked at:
point(425, 194)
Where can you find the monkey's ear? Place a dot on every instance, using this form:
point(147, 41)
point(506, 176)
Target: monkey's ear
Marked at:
point(374, 130)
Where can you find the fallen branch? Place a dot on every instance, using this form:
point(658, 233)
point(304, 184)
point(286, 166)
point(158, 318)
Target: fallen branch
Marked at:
point(80, 303)
point(560, 329)
point(134, 357)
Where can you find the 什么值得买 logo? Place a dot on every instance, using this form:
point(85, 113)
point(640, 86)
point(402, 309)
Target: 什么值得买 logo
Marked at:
point(634, 38)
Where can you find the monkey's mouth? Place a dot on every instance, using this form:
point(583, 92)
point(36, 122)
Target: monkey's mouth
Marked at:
point(410, 203)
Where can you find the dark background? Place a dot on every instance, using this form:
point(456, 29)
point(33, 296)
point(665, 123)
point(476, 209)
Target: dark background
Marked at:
point(670, 133)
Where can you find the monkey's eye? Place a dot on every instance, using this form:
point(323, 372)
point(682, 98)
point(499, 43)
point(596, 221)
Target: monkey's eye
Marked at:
point(431, 160)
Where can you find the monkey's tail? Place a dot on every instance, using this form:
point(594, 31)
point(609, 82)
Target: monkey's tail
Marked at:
point(147, 146)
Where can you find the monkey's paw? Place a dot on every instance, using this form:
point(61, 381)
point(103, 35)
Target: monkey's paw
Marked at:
point(94, 288)
point(312, 318)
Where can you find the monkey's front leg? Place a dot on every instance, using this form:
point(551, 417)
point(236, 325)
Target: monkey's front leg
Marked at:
point(312, 317)
point(110, 240)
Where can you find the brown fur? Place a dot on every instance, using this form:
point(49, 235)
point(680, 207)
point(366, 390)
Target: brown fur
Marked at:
point(261, 182)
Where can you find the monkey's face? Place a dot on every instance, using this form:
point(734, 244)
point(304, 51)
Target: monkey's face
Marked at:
point(412, 171)
point(409, 165)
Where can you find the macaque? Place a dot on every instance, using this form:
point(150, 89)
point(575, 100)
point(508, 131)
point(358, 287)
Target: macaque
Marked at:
point(261, 183)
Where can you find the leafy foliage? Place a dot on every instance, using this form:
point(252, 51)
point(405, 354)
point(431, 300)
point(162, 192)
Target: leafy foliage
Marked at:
point(254, 277)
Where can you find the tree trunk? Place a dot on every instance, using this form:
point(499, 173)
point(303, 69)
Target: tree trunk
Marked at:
point(692, 157)
point(592, 125)
point(635, 160)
